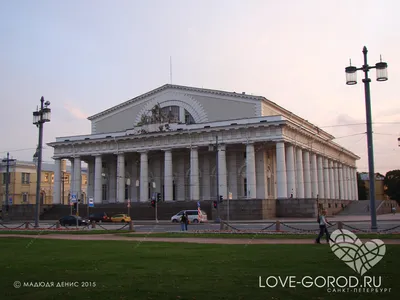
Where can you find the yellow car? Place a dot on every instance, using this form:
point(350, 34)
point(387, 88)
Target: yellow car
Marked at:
point(121, 218)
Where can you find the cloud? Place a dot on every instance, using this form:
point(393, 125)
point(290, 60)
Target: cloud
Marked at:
point(75, 111)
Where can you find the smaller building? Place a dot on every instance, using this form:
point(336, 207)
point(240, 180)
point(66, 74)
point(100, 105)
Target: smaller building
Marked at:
point(23, 178)
point(379, 186)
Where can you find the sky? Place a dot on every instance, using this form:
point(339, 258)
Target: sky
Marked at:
point(86, 56)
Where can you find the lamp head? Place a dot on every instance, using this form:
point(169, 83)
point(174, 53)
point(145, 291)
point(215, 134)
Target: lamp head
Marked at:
point(47, 103)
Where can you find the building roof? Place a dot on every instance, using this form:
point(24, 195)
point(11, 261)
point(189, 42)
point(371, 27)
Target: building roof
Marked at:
point(46, 167)
point(365, 176)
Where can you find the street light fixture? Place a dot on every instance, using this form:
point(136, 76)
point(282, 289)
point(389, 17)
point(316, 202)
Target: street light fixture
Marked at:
point(39, 118)
point(398, 141)
point(351, 79)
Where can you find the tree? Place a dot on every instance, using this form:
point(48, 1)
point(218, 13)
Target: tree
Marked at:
point(362, 189)
point(392, 184)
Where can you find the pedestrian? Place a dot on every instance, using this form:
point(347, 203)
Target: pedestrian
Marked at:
point(187, 221)
point(393, 210)
point(184, 221)
point(323, 221)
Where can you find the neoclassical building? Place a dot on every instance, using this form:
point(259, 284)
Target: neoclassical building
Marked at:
point(168, 140)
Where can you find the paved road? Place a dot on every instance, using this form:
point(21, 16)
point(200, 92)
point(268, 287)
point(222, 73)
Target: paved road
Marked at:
point(292, 226)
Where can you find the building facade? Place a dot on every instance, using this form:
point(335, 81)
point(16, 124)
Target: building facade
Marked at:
point(379, 186)
point(22, 183)
point(195, 144)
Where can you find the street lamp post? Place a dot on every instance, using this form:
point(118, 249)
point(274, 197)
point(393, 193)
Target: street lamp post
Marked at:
point(351, 79)
point(39, 118)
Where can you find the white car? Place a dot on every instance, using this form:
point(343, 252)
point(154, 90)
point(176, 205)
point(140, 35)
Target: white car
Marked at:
point(193, 215)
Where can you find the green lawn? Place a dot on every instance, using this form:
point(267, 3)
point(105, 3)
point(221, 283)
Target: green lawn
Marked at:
point(161, 271)
point(254, 236)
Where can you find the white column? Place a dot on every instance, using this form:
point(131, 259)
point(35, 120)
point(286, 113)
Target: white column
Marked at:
point(72, 178)
point(90, 179)
point(78, 178)
point(181, 114)
point(120, 177)
point(251, 192)
point(222, 173)
point(341, 191)
point(194, 174)
point(57, 181)
point(290, 171)
point(336, 179)
point(232, 174)
point(168, 176)
point(351, 183)
point(314, 176)
point(348, 183)
point(321, 182)
point(98, 180)
point(327, 193)
point(300, 170)
point(331, 180)
point(144, 177)
point(282, 188)
point(355, 184)
point(307, 174)
point(345, 191)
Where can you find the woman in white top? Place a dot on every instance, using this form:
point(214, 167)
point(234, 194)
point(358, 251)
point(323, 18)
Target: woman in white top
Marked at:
point(323, 222)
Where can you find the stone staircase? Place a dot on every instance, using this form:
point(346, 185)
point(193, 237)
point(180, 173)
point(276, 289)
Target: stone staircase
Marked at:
point(359, 208)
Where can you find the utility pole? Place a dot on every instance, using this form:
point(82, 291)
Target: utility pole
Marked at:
point(7, 160)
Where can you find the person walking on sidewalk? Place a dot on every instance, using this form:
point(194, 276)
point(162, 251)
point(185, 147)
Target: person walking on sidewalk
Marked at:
point(184, 221)
point(323, 222)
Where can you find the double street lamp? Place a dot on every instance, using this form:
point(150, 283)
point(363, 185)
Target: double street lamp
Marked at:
point(351, 79)
point(40, 116)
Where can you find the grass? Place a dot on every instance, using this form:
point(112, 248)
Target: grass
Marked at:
point(253, 236)
point(163, 271)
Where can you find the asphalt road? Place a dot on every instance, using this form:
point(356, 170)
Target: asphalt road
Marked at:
point(291, 226)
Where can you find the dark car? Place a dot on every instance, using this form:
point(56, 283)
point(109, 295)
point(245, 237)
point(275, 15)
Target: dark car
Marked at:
point(72, 220)
point(99, 217)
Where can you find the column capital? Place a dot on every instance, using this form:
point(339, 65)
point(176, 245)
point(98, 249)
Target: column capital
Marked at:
point(143, 151)
point(97, 155)
point(167, 149)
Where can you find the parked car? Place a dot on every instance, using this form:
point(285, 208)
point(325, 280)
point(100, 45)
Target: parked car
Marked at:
point(99, 217)
point(193, 216)
point(121, 218)
point(72, 220)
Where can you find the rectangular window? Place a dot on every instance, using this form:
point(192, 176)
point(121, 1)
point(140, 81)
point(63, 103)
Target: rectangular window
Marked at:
point(66, 179)
point(52, 178)
point(46, 177)
point(25, 198)
point(25, 178)
point(84, 179)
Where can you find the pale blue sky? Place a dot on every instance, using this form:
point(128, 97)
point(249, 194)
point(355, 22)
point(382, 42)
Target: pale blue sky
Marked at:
point(86, 56)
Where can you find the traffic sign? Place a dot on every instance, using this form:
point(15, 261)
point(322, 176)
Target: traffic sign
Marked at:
point(73, 198)
point(91, 203)
point(198, 203)
point(10, 201)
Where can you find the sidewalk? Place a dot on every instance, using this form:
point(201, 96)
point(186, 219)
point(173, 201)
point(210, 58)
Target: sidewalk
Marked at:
point(178, 240)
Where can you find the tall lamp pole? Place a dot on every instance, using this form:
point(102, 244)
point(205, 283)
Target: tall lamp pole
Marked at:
point(39, 118)
point(351, 79)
